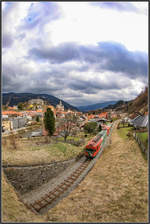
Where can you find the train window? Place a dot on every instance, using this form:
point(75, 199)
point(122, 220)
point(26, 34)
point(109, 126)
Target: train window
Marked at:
point(89, 150)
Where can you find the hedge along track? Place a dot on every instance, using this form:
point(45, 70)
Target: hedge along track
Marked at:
point(60, 191)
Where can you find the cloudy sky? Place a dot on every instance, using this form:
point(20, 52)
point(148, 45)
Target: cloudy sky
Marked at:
point(81, 52)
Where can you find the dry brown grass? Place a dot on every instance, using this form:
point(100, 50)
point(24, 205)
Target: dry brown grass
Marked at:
point(116, 189)
point(28, 152)
point(140, 103)
point(12, 209)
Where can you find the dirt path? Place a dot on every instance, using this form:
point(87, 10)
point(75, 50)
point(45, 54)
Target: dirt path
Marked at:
point(116, 189)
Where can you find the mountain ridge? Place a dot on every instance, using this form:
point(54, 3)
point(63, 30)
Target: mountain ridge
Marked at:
point(13, 98)
point(95, 106)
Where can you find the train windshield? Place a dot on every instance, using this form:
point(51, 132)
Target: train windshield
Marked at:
point(90, 150)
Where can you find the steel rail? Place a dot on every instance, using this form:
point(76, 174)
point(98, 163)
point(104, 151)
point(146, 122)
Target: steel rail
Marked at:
point(51, 198)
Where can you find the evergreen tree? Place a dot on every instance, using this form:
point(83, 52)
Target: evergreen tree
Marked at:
point(49, 121)
point(20, 106)
point(37, 118)
point(90, 127)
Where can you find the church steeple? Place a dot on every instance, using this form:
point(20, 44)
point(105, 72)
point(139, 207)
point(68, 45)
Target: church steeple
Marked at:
point(60, 106)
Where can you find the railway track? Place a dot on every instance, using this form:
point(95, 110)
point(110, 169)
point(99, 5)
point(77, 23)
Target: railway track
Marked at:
point(49, 199)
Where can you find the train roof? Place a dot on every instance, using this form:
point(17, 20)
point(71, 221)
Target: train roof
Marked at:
point(97, 137)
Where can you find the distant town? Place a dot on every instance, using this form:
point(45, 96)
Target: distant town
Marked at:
point(15, 117)
point(28, 114)
point(48, 150)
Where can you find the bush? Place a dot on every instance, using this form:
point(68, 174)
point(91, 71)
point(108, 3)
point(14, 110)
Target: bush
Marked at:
point(37, 118)
point(114, 118)
point(90, 127)
point(11, 140)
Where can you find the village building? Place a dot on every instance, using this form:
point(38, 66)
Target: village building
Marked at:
point(18, 122)
point(60, 107)
point(4, 117)
point(12, 113)
point(141, 121)
point(36, 101)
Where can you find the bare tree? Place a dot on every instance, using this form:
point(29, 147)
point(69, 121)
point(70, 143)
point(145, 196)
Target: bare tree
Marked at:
point(67, 125)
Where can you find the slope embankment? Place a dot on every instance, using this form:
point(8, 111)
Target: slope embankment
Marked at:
point(115, 190)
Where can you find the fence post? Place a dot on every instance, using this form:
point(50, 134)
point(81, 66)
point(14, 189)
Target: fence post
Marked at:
point(138, 141)
point(142, 147)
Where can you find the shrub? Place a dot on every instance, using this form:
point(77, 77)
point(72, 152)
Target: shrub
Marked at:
point(90, 127)
point(37, 118)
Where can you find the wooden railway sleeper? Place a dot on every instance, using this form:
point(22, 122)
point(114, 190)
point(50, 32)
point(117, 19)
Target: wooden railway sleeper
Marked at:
point(54, 194)
point(36, 202)
point(42, 202)
point(76, 174)
point(72, 178)
point(50, 196)
point(69, 181)
point(44, 205)
point(66, 184)
point(64, 187)
point(37, 208)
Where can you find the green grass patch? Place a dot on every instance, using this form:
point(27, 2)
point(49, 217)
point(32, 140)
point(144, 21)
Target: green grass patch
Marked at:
point(59, 150)
point(115, 118)
point(33, 151)
point(122, 132)
point(64, 150)
point(143, 136)
point(78, 137)
point(61, 147)
point(69, 138)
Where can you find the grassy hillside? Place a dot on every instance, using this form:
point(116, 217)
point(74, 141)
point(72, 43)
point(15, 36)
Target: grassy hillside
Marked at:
point(38, 151)
point(140, 103)
point(13, 210)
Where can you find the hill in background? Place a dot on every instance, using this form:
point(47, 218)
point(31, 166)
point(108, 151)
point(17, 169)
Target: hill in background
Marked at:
point(14, 98)
point(95, 106)
point(139, 104)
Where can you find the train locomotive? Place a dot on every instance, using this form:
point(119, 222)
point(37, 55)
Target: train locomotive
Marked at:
point(96, 143)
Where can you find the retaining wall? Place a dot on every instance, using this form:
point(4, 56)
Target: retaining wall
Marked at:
point(25, 179)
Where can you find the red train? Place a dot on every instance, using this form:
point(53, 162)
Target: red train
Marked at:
point(106, 127)
point(95, 144)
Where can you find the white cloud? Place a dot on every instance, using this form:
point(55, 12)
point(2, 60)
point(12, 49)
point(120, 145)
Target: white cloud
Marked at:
point(82, 24)
point(88, 25)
